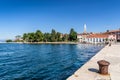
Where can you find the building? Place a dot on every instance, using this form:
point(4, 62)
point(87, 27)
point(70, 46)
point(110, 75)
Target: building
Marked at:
point(97, 38)
point(109, 36)
point(82, 37)
point(115, 33)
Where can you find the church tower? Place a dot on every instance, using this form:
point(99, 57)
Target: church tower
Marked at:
point(85, 28)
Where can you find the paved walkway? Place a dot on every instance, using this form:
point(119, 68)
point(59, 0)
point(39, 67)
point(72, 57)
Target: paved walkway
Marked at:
point(89, 71)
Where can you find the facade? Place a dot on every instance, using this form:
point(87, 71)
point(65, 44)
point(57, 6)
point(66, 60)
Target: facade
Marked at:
point(97, 38)
point(109, 36)
point(116, 34)
point(82, 37)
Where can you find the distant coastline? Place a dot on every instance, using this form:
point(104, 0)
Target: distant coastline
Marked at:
point(45, 42)
point(51, 43)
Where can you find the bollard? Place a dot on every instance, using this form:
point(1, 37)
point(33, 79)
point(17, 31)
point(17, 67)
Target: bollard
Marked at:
point(103, 67)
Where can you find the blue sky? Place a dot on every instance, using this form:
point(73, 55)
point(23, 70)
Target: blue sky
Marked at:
point(20, 16)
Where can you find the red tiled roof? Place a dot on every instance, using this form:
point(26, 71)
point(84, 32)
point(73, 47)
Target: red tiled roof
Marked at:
point(97, 36)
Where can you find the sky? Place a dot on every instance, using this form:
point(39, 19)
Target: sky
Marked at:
point(23, 16)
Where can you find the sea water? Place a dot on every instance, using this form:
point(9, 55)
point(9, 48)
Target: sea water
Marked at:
point(43, 61)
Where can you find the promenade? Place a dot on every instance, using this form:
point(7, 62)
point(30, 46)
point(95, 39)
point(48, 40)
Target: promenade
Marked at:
point(89, 71)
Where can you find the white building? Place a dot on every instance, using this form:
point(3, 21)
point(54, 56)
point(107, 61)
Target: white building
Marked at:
point(96, 37)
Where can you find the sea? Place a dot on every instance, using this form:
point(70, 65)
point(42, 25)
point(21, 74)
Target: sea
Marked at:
point(43, 61)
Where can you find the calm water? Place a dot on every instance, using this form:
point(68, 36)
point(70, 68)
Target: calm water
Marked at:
point(44, 61)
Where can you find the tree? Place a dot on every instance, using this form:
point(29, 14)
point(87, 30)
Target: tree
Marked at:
point(53, 35)
point(72, 35)
point(38, 36)
point(9, 40)
point(58, 36)
point(47, 37)
point(31, 37)
point(18, 38)
point(65, 37)
point(25, 37)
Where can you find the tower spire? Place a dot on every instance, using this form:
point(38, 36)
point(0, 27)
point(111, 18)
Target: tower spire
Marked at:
point(85, 28)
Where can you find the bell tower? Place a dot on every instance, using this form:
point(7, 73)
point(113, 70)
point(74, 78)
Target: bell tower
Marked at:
point(85, 28)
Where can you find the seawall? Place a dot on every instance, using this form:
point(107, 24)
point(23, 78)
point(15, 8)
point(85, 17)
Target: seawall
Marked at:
point(89, 71)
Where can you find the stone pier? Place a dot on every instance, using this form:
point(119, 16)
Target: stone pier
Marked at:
point(89, 71)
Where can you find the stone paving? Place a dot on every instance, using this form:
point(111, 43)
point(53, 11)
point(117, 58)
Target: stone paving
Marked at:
point(89, 71)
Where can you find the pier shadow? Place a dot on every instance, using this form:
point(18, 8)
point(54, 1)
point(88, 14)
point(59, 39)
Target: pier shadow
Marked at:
point(93, 70)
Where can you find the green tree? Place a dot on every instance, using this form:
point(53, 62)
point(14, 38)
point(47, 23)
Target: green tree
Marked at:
point(38, 36)
point(18, 38)
point(47, 37)
point(25, 37)
point(9, 40)
point(65, 37)
point(72, 35)
point(53, 36)
point(58, 36)
point(31, 37)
